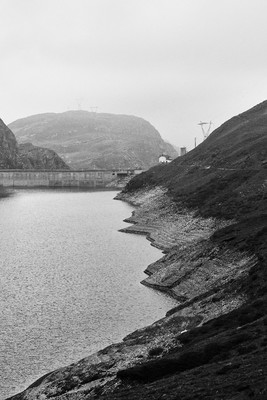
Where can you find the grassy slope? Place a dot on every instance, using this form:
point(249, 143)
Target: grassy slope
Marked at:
point(224, 177)
point(226, 358)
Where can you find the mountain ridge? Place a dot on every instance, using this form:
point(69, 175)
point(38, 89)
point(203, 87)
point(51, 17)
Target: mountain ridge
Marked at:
point(95, 140)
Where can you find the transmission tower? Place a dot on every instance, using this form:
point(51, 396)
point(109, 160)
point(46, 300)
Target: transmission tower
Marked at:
point(94, 109)
point(205, 130)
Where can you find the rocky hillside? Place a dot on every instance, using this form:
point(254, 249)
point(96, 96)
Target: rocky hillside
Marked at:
point(34, 157)
point(94, 140)
point(25, 156)
point(208, 212)
point(8, 147)
point(224, 176)
point(216, 260)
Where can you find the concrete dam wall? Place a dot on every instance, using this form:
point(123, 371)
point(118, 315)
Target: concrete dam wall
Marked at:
point(79, 179)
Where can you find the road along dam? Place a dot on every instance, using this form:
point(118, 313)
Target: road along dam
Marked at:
point(63, 178)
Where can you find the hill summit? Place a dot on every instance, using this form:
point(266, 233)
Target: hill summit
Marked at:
point(95, 140)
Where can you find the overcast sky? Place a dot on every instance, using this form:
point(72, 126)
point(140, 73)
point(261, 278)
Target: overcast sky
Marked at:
point(172, 62)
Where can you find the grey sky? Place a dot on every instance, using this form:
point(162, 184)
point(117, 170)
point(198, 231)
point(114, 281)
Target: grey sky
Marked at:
point(172, 62)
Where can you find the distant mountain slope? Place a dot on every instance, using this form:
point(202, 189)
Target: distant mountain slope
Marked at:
point(34, 157)
point(25, 156)
point(225, 175)
point(8, 147)
point(87, 140)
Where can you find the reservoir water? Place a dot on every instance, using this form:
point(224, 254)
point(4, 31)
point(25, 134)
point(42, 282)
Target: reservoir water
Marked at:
point(70, 282)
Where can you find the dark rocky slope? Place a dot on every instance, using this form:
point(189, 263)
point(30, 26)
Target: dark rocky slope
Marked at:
point(208, 211)
point(8, 148)
point(25, 156)
point(87, 140)
point(34, 157)
point(225, 358)
point(225, 175)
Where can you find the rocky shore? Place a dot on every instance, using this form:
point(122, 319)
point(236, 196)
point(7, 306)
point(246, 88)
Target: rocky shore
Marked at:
point(184, 272)
point(195, 271)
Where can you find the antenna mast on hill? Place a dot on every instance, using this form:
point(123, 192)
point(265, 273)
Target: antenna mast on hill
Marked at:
point(79, 104)
point(205, 130)
point(94, 109)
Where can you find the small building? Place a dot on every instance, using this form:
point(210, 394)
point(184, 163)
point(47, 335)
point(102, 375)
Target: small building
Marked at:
point(164, 159)
point(183, 151)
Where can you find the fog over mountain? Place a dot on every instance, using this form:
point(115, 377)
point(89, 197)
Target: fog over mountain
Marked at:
point(95, 140)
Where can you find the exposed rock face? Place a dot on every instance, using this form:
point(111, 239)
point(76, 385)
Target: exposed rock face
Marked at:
point(8, 147)
point(194, 267)
point(33, 157)
point(87, 140)
point(25, 156)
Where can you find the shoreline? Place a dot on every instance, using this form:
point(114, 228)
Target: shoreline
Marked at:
point(184, 238)
point(182, 273)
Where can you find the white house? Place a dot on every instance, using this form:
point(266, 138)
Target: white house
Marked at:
point(164, 159)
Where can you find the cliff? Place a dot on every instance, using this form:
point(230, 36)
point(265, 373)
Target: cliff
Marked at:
point(8, 147)
point(208, 212)
point(34, 157)
point(25, 156)
point(94, 140)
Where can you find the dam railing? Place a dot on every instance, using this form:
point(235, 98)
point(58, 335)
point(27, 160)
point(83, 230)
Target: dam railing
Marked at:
point(95, 178)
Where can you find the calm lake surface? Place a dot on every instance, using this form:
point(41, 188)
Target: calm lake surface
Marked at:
point(70, 282)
